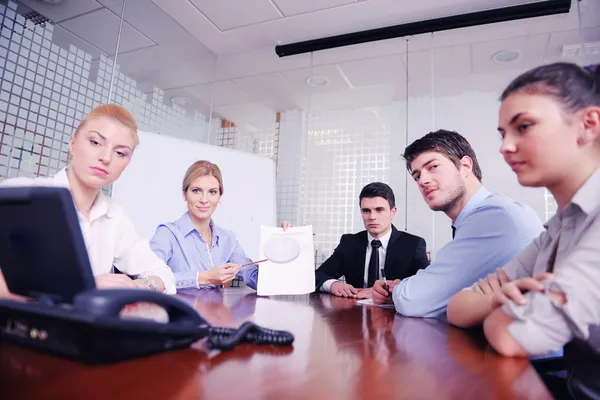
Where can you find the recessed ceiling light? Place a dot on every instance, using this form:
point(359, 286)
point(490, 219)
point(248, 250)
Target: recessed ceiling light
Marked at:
point(506, 56)
point(52, 1)
point(317, 81)
point(181, 101)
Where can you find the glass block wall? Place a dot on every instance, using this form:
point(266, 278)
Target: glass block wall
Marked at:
point(45, 90)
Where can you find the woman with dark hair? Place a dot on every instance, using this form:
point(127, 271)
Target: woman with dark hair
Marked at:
point(549, 295)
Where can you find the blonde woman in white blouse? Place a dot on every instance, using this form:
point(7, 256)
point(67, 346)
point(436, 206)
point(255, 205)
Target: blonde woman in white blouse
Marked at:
point(100, 150)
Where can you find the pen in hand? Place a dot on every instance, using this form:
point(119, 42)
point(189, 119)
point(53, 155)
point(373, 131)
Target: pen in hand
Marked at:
point(385, 285)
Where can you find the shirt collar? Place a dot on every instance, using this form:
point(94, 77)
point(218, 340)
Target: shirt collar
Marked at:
point(385, 239)
point(186, 226)
point(588, 195)
point(101, 205)
point(481, 194)
point(586, 199)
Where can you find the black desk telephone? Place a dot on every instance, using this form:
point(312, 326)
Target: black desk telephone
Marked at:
point(43, 257)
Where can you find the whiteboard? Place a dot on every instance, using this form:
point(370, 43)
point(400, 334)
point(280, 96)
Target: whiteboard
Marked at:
point(150, 187)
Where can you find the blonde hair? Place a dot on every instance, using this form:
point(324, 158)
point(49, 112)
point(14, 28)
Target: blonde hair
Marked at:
point(114, 112)
point(201, 168)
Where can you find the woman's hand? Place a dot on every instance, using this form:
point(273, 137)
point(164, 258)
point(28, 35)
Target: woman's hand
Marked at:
point(219, 275)
point(112, 281)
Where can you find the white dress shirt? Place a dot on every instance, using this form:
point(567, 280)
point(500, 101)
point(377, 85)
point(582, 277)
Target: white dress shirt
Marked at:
point(110, 237)
point(385, 240)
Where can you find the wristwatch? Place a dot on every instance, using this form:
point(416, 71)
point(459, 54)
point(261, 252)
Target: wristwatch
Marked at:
point(150, 282)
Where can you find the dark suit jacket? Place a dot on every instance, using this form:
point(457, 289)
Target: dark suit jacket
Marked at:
point(405, 255)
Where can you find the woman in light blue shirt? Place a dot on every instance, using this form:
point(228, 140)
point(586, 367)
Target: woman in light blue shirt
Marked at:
point(200, 253)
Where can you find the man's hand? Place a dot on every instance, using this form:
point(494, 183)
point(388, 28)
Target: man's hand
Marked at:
point(113, 281)
point(513, 291)
point(364, 294)
point(285, 224)
point(342, 289)
point(219, 275)
point(491, 283)
point(380, 294)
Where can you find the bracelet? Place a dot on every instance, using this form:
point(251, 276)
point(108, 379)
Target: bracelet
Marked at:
point(150, 282)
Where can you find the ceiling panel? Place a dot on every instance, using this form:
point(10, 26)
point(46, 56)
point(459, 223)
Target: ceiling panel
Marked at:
point(532, 49)
point(298, 79)
point(150, 20)
point(223, 93)
point(64, 39)
point(232, 14)
point(374, 71)
point(254, 114)
point(196, 103)
point(266, 86)
point(168, 67)
point(293, 7)
point(353, 98)
point(257, 62)
point(450, 62)
point(101, 27)
point(332, 21)
point(63, 10)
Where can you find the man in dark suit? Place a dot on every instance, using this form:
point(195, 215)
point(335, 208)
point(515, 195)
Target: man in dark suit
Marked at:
point(360, 257)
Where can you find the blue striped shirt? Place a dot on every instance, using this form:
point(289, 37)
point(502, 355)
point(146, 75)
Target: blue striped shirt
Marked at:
point(182, 248)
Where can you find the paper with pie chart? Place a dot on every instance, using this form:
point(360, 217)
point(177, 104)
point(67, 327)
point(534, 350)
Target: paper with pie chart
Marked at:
point(290, 268)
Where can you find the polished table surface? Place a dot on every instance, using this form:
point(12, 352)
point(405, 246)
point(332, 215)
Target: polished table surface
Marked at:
point(342, 351)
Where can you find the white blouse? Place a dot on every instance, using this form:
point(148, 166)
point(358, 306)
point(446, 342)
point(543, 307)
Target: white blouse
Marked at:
point(110, 236)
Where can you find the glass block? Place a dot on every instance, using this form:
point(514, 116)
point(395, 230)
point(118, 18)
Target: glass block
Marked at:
point(9, 24)
point(11, 119)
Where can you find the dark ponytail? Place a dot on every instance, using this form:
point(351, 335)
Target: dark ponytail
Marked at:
point(573, 86)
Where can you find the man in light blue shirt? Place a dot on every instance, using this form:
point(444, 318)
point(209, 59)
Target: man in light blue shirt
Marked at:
point(488, 229)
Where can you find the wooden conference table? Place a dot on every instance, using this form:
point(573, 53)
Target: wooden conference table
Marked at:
point(342, 351)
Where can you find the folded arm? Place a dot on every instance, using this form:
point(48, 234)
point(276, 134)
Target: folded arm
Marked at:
point(469, 308)
point(567, 308)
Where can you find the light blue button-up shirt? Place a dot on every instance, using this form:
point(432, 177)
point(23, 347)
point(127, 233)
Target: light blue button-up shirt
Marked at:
point(490, 230)
point(182, 248)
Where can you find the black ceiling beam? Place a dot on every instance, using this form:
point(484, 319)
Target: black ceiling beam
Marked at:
point(537, 9)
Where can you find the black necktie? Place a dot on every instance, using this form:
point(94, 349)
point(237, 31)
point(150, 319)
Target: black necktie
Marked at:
point(374, 263)
point(453, 232)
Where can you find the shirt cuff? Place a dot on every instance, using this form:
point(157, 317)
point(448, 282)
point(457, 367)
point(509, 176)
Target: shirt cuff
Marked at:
point(326, 286)
point(167, 277)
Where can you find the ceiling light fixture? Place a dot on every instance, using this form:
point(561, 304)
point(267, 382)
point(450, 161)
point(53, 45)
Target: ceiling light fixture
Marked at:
point(317, 81)
point(181, 101)
point(506, 56)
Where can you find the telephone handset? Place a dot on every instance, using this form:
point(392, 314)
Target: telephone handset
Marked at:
point(109, 303)
point(68, 316)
